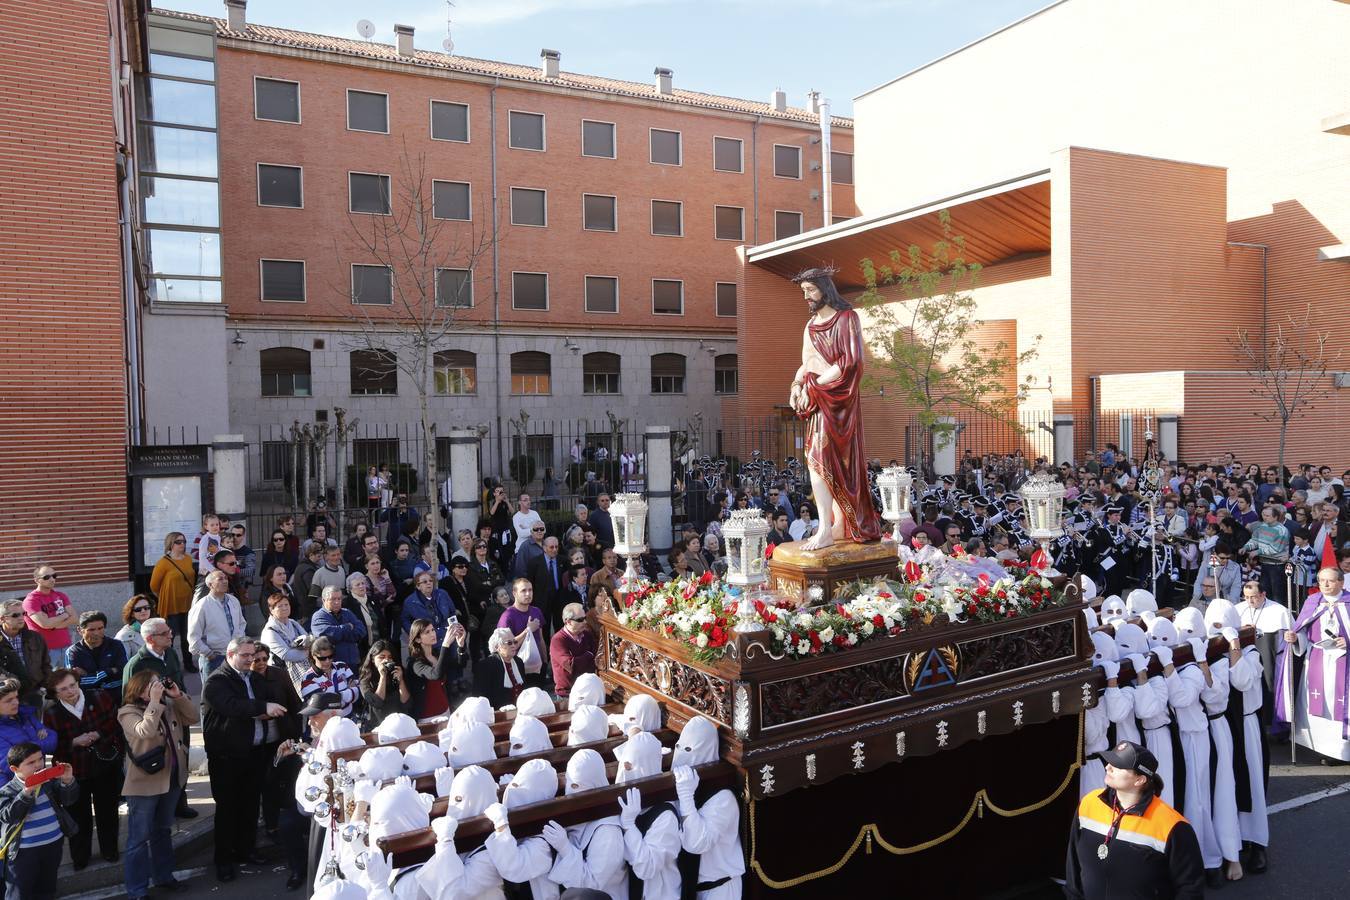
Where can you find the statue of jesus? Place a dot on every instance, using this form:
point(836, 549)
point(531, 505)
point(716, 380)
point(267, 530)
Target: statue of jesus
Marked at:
point(826, 392)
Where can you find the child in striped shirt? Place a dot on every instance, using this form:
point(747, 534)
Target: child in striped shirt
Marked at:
point(34, 823)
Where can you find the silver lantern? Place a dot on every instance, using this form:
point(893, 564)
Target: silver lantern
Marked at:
point(894, 483)
point(628, 513)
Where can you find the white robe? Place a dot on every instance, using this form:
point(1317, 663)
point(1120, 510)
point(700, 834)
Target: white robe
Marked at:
point(1183, 693)
point(653, 856)
point(460, 876)
point(527, 860)
point(1150, 706)
point(1093, 773)
point(1245, 676)
point(713, 831)
point(593, 859)
point(1223, 799)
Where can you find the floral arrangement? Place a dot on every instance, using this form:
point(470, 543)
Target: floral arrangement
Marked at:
point(702, 612)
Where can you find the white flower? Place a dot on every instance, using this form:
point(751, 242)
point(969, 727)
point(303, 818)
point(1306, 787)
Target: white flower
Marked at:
point(623, 618)
point(803, 620)
point(778, 633)
point(951, 606)
point(888, 621)
point(852, 639)
point(702, 639)
point(868, 627)
point(827, 635)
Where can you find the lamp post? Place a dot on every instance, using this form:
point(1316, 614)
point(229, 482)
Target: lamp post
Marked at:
point(746, 535)
point(628, 513)
point(1043, 496)
point(894, 484)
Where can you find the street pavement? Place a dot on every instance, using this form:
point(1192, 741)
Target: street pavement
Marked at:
point(1307, 854)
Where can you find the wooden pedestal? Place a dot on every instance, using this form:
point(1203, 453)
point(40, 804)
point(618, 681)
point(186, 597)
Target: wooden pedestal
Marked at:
point(793, 572)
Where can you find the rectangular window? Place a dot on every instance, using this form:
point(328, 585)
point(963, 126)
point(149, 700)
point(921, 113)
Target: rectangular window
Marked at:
point(602, 294)
point(787, 161)
point(456, 372)
point(283, 280)
point(200, 69)
point(725, 379)
point(276, 460)
point(599, 212)
point(668, 218)
point(368, 193)
point(529, 207)
point(368, 452)
point(525, 131)
point(177, 201)
point(665, 147)
point(276, 100)
point(280, 186)
point(374, 373)
point(600, 373)
point(178, 102)
point(450, 200)
point(373, 285)
point(177, 151)
point(531, 373)
point(726, 299)
point(191, 253)
point(728, 154)
point(597, 139)
point(786, 224)
point(529, 290)
point(841, 167)
point(729, 222)
point(667, 297)
point(668, 373)
point(367, 111)
point(449, 121)
point(454, 288)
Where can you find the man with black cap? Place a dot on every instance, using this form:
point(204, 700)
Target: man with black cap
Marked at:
point(1126, 841)
point(310, 833)
point(293, 825)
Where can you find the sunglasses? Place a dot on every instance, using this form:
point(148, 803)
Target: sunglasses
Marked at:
point(48, 577)
point(181, 541)
point(323, 658)
point(17, 615)
point(137, 609)
point(159, 634)
point(537, 530)
point(278, 540)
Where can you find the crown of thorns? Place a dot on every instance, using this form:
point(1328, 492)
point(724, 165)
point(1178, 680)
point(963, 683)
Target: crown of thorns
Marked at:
point(825, 271)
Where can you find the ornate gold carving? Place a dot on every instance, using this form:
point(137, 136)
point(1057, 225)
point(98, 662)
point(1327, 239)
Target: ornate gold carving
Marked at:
point(709, 695)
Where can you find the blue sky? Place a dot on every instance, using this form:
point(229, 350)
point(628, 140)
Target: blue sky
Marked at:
point(741, 48)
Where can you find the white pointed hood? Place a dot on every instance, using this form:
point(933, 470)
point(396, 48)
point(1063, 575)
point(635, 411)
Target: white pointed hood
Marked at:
point(534, 782)
point(421, 758)
point(529, 735)
point(640, 713)
point(697, 744)
point(589, 723)
point(472, 791)
point(639, 757)
point(1219, 615)
point(1130, 638)
point(1190, 622)
point(587, 690)
point(585, 772)
point(340, 734)
point(1138, 600)
point(474, 709)
point(398, 808)
point(1162, 632)
point(397, 727)
point(534, 702)
point(1103, 647)
point(470, 744)
point(381, 763)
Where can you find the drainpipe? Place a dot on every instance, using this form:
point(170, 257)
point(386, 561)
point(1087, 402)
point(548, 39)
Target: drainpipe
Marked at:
point(496, 279)
point(826, 189)
point(1265, 297)
point(754, 177)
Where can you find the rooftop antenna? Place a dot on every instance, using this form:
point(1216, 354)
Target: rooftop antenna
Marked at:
point(448, 43)
point(365, 28)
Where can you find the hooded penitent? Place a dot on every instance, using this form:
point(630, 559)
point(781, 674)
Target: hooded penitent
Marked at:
point(468, 744)
point(697, 744)
point(639, 757)
point(398, 808)
point(587, 690)
point(397, 727)
point(472, 791)
point(585, 772)
point(529, 735)
point(534, 782)
point(589, 723)
point(534, 702)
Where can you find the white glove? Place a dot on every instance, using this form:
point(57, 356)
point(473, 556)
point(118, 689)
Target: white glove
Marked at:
point(1200, 647)
point(1110, 667)
point(686, 783)
point(403, 781)
point(555, 835)
point(378, 868)
point(445, 829)
point(445, 776)
point(1164, 654)
point(508, 706)
point(365, 791)
point(1140, 663)
point(1230, 634)
point(630, 805)
point(496, 814)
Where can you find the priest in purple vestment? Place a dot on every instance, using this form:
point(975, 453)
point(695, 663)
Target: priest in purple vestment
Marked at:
point(1313, 685)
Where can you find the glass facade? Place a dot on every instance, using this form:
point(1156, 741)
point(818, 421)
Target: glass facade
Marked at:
point(180, 193)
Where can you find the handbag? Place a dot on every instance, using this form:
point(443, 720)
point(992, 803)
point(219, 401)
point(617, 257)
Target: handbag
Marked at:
point(151, 761)
point(529, 655)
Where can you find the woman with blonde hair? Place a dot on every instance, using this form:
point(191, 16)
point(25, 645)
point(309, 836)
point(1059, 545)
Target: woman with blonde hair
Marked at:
point(173, 581)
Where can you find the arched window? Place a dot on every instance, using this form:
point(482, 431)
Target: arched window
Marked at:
point(374, 373)
point(725, 378)
point(531, 373)
point(285, 372)
point(600, 373)
point(668, 373)
point(456, 372)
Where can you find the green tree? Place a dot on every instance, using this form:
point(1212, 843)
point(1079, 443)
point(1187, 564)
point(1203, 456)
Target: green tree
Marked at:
point(921, 332)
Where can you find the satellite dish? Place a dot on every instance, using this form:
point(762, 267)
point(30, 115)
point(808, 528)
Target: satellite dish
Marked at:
point(365, 28)
point(449, 45)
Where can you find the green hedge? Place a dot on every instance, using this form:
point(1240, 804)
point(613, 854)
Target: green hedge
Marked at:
point(523, 468)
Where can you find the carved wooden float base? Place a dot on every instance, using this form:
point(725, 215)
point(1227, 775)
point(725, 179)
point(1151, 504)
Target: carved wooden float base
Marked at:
point(793, 571)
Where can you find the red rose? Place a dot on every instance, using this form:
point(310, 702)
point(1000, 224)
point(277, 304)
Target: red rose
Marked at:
point(919, 597)
point(706, 578)
point(878, 621)
point(840, 640)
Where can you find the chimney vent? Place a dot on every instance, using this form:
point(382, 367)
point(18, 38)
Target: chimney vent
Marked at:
point(551, 60)
point(663, 80)
point(234, 12)
point(405, 39)
point(813, 102)
point(779, 101)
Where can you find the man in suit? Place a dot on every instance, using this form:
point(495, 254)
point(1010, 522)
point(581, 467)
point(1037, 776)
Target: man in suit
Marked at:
point(549, 579)
point(237, 706)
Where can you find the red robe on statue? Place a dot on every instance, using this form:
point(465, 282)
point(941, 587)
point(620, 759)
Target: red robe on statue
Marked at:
point(834, 435)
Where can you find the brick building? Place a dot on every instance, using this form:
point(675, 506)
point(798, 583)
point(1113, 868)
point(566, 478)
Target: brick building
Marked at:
point(65, 155)
point(1130, 205)
point(612, 287)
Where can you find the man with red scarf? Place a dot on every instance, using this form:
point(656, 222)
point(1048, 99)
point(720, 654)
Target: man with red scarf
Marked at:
point(826, 392)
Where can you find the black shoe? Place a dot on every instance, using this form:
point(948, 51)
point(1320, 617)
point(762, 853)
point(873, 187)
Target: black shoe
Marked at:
point(294, 882)
point(79, 865)
point(172, 887)
point(111, 856)
point(1214, 879)
point(184, 811)
point(252, 859)
point(1256, 860)
point(224, 873)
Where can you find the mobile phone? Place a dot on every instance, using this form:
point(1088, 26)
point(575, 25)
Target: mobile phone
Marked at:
point(454, 620)
point(42, 776)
